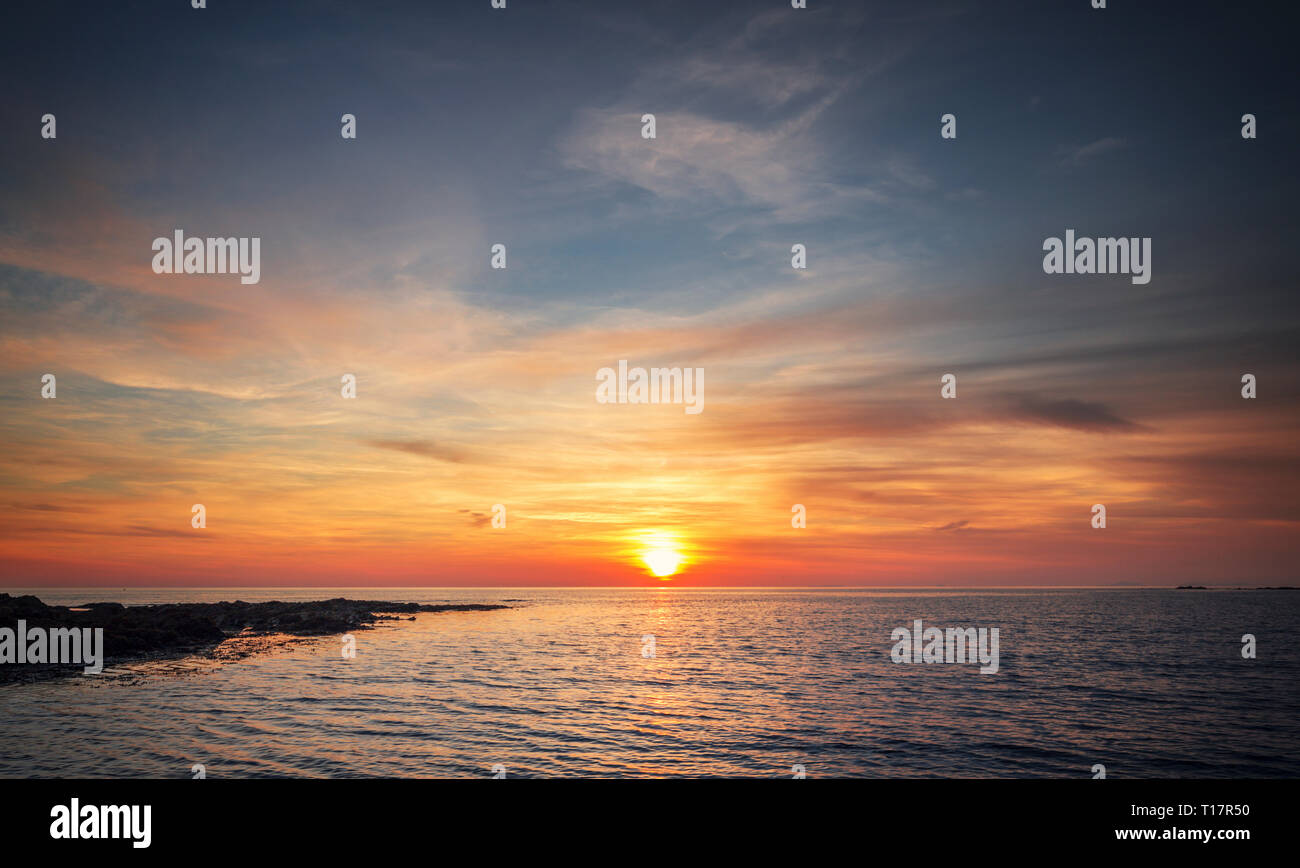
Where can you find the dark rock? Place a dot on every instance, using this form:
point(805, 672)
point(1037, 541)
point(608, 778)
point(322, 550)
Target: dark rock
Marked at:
point(134, 633)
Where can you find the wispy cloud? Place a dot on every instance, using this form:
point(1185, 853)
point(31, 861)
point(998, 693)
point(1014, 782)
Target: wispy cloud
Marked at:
point(1078, 155)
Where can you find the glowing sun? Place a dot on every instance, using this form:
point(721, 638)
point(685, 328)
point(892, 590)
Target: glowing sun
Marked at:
point(662, 562)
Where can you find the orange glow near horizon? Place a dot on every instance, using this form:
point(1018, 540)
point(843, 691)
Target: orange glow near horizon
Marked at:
point(331, 510)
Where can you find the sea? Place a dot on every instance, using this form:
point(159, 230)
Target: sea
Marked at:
point(671, 682)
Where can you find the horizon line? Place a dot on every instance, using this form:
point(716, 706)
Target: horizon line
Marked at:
point(664, 586)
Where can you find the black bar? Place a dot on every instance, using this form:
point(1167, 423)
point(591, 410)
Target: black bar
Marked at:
point(366, 817)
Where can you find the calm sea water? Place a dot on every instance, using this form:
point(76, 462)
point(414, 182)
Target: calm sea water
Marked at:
point(742, 683)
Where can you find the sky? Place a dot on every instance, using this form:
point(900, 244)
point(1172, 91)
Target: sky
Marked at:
point(476, 386)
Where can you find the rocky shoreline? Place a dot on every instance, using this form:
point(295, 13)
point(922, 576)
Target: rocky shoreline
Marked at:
point(138, 633)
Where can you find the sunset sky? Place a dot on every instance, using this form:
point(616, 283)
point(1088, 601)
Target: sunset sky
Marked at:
point(477, 386)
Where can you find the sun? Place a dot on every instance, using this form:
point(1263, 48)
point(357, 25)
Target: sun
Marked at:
point(662, 562)
point(661, 550)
